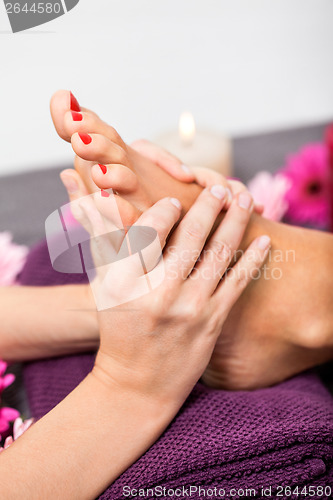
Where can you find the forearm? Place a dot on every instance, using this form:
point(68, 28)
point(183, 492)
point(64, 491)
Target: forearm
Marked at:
point(83, 444)
point(37, 322)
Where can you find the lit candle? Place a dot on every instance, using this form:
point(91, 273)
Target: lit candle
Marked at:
point(198, 147)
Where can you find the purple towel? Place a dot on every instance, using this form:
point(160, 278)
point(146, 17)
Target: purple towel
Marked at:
point(280, 436)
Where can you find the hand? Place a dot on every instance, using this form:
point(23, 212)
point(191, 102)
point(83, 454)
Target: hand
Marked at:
point(159, 345)
point(205, 177)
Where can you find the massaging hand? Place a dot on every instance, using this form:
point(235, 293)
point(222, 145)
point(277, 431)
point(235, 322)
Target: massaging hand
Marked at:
point(159, 344)
point(205, 177)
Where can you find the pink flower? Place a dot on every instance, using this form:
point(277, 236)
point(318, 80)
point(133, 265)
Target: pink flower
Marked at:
point(270, 190)
point(19, 428)
point(6, 380)
point(308, 196)
point(7, 415)
point(12, 259)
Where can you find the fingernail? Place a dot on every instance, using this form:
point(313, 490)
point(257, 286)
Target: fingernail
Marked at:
point(77, 117)
point(70, 183)
point(85, 138)
point(176, 203)
point(186, 169)
point(105, 194)
point(103, 168)
point(75, 106)
point(264, 242)
point(218, 191)
point(245, 200)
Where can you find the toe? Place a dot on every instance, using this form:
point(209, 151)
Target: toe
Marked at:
point(86, 121)
point(117, 177)
point(113, 207)
point(59, 105)
point(98, 148)
point(69, 117)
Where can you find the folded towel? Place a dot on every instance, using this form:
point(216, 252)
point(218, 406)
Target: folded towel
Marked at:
point(272, 438)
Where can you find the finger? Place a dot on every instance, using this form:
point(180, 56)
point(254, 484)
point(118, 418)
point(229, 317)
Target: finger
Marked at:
point(73, 183)
point(164, 159)
point(237, 186)
point(162, 216)
point(223, 244)
point(239, 276)
point(259, 208)
point(188, 240)
point(76, 190)
point(148, 235)
point(206, 177)
point(85, 211)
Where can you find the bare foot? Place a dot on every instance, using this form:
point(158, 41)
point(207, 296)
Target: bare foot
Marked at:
point(105, 146)
point(282, 323)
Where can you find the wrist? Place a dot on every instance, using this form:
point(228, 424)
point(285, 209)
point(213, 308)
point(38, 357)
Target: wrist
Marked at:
point(138, 386)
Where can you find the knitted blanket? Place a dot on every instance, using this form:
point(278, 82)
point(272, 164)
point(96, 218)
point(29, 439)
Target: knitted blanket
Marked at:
point(269, 443)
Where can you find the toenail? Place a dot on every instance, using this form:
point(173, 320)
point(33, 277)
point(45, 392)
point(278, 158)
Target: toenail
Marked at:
point(77, 117)
point(103, 168)
point(75, 106)
point(85, 138)
point(105, 194)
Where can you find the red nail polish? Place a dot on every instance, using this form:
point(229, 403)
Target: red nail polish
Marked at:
point(85, 138)
point(77, 117)
point(105, 194)
point(103, 168)
point(75, 106)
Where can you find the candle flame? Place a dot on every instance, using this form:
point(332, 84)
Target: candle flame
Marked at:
point(186, 127)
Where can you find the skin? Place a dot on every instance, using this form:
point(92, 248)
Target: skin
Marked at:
point(57, 321)
point(279, 327)
point(142, 374)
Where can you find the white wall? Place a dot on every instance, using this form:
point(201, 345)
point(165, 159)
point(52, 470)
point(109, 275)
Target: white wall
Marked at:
point(238, 65)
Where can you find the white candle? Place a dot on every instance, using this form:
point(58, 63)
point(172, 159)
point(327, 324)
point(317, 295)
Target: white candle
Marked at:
point(198, 147)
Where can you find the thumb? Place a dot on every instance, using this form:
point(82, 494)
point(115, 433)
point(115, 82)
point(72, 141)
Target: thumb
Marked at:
point(164, 160)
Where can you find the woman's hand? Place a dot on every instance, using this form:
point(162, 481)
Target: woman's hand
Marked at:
point(159, 344)
point(153, 349)
point(205, 177)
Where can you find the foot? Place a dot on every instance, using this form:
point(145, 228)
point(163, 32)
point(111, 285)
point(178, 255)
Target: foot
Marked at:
point(282, 323)
point(95, 142)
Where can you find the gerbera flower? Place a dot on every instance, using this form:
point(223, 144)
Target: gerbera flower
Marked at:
point(308, 197)
point(270, 190)
point(12, 259)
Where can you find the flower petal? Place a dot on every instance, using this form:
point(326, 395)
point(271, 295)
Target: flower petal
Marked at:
point(9, 414)
point(7, 380)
